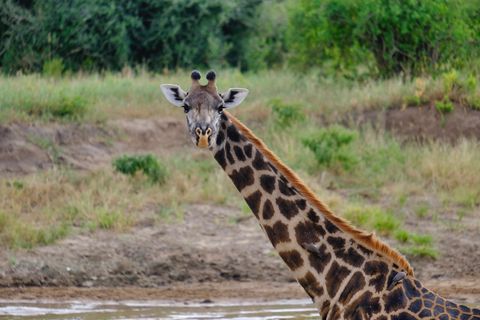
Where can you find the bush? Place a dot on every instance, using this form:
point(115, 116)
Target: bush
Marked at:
point(458, 87)
point(407, 37)
point(285, 115)
point(445, 106)
point(332, 146)
point(474, 101)
point(148, 164)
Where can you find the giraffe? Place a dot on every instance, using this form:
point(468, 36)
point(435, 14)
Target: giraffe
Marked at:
point(348, 273)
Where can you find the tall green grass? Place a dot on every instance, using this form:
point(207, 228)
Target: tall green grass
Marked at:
point(129, 94)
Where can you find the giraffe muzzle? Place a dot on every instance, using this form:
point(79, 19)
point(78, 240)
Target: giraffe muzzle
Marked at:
point(202, 141)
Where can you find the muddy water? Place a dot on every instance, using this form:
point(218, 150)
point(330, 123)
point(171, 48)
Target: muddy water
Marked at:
point(285, 309)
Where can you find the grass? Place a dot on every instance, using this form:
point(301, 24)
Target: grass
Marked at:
point(100, 97)
point(42, 208)
point(387, 224)
point(373, 218)
point(421, 251)
point(283, 109)
point(53, 150)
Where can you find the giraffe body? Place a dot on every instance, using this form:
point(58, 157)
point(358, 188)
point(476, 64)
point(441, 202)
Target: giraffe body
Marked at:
point(347, 273)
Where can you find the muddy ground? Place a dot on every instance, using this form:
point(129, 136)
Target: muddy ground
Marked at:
point(214, 252)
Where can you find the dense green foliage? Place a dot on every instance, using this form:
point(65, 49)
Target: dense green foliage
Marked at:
point(349, 38)
point(388, 36)
point(332, 146)
point(104, 34)
point(148, 164)
point(285, 115)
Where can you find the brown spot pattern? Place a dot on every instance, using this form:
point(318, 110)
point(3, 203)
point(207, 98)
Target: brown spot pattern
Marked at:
point(331, 228)
point(320, 259)
point(259, 163)
point(242, 178)
point(354, 285)
point(233, 134)
point(364, 307)
point(220, 157)
point(305, 233)
point(248, 150)
point(267, 210)
point(267, 182)
point(311, 285)
point(378, 271)
point(278, 233)
point(253, 202)
point(335, 277)
point(394, 300)
point(239, 153)
point(287, 208)
point(312, 215)
point(292, 258)
point(284, 188)
point(228, 152)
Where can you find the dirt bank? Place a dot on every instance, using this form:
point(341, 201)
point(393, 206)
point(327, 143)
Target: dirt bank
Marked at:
point(28, 148)
point(212, 245)
point(462, 290)
point(215, 251)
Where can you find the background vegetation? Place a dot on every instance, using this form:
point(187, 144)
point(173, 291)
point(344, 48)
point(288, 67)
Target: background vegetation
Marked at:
point(352, 38)
point(309, 64)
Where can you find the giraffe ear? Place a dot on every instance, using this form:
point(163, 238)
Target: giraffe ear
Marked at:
point(233, 97)
point(174, 94)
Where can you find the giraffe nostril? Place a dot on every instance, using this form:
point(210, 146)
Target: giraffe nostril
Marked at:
point(198, 131)
point(208, 132)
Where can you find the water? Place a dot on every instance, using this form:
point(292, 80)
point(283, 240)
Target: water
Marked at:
point(287, 309)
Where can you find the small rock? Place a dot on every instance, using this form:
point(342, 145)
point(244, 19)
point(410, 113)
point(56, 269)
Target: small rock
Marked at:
point(207, 301)
point(87, 284)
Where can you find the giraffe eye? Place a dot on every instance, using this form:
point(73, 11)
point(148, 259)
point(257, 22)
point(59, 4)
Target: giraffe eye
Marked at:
point(220, 107)
point(186, 108)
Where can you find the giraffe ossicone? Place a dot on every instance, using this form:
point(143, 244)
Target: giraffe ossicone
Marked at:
point(348, 273)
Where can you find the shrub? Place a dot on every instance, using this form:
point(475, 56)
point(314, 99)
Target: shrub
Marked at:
point(412, 100)
point(444, 106)
point(286, 115)
point(395, 37)
point(68, 107)
point(460, 87)
point(456, 85)
point(148, 164)
point(473, 101)
point(53, 68)
point(332, 145)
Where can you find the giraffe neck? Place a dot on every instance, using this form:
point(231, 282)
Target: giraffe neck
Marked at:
point(342, 274)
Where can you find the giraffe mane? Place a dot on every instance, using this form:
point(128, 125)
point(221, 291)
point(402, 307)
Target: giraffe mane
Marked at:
point(367, 239)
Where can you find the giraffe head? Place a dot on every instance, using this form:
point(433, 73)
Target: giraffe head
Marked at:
point(203, 106)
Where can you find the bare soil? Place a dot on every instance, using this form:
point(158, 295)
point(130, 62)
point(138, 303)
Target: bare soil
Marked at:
point(214, 251)
point(28, 148)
